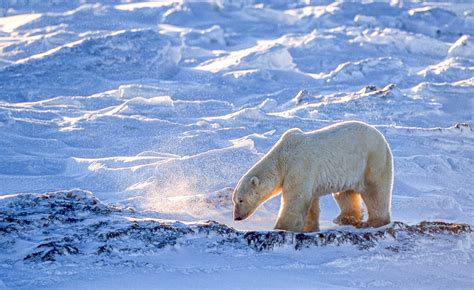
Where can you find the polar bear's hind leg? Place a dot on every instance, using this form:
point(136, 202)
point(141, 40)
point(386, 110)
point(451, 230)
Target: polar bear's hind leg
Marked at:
point(377, 201)
point(350, 204)
point(378, 194)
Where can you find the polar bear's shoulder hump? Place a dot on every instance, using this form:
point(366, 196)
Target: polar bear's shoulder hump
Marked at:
point(292, 133)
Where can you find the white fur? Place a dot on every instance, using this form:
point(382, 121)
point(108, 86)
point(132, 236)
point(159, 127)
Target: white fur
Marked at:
point(352, 160)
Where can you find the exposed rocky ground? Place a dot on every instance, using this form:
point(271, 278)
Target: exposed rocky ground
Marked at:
point(75, 223)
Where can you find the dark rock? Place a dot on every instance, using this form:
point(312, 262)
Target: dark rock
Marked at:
point(48, 252)
point(78, 221)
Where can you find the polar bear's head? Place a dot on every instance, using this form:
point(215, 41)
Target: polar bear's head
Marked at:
point(253, 190)
point(262, 182)
point(246, 197)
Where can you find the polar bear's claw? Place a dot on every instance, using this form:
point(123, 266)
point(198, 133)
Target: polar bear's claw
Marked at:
point(362, 225)
point(347, 220)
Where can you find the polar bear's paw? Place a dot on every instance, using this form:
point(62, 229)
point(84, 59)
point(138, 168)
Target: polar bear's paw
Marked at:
point(373, 223)
point(347, 219)
point(362, 225)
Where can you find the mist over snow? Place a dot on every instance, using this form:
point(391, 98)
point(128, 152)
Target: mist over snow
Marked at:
point(125, 125)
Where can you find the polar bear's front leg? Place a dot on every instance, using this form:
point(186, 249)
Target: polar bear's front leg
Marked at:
point(293, 211)
point(290, 221)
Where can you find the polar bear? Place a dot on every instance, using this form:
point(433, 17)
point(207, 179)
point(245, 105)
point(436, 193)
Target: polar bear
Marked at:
point(352, 160)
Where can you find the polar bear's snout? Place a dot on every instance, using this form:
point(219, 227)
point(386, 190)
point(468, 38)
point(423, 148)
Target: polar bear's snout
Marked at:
point(237, 217)
point(240, 212)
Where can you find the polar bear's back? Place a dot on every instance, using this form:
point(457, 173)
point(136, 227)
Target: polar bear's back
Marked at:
point(343, 127)
point(340, 154)
point(346, 134)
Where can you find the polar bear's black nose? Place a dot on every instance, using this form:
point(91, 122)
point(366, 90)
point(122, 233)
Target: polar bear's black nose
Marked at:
point(237, 218)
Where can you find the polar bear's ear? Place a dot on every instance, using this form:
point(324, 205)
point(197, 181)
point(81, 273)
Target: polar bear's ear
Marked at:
point(254, 181)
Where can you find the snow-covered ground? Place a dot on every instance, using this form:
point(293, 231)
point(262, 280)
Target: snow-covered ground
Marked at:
point(155, 109)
